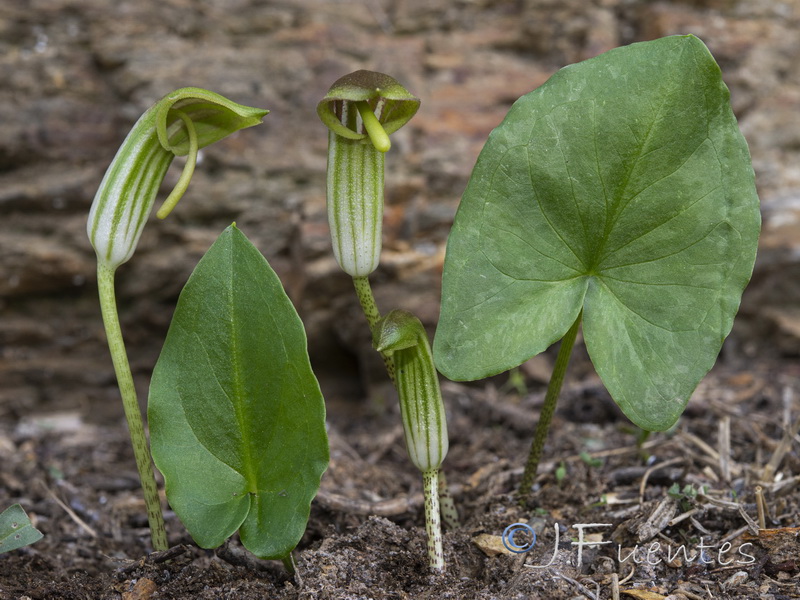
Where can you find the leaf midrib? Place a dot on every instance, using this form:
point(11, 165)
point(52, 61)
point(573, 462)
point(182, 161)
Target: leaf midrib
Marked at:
point(239, 388)
point(617, 207)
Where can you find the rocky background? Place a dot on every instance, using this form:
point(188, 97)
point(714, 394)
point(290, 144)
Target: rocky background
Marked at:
point(76, 74)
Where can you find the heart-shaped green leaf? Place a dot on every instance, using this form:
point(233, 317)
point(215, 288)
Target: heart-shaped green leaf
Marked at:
point(236, 415)
point(622, 187)
point(16, 529)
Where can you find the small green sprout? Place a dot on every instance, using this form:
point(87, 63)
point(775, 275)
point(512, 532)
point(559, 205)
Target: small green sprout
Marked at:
point(179, 124)
point(516, 382)
point(687, 495)
point(594, 463)
point(561, 472)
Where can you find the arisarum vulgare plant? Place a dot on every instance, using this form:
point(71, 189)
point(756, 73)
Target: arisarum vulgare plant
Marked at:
point(360, 111)
point(179, 124)
point(617, 197)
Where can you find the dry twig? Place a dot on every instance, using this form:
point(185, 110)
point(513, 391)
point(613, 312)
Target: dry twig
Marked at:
point(768, 474)
point(155, 558)
point(654, 468)
point(383, 508)
point(80, 522)
point(760, 508)
point(725, 448)
point(582, 588)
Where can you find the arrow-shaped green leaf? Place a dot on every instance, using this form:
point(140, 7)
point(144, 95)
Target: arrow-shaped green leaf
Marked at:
point(621, 187)
point(236, 415)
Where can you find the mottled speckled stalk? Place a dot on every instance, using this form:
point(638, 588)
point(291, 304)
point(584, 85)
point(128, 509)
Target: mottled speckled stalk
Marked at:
point(433, 526)
point(448, 506)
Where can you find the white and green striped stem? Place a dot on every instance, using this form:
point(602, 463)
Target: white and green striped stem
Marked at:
point(179, 124)
point(401, 335)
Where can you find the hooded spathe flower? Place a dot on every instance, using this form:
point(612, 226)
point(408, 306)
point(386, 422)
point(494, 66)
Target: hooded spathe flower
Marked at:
point(177, 125)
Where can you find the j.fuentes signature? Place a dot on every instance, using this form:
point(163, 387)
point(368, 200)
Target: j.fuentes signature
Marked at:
point(652, 554)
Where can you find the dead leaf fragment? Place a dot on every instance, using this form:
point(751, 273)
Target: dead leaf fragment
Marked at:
point(643, 594)
point(142, 590)
point(490, 545)
point(781, 543)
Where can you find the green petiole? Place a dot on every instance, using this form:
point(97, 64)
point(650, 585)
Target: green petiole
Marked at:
point(548, 408)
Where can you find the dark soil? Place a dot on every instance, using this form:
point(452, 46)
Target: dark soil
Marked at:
point(365, 538)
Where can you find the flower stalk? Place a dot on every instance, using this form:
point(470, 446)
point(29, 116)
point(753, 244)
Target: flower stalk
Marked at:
point(130, 404)
point(178, 125)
